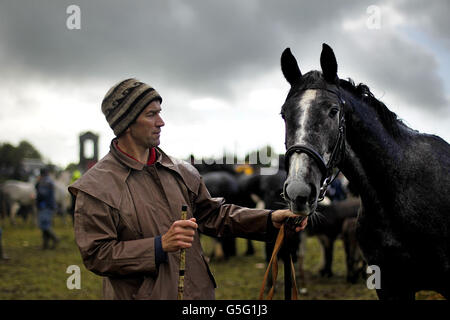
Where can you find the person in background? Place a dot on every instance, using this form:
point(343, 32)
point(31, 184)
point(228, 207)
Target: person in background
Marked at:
point(46, 205)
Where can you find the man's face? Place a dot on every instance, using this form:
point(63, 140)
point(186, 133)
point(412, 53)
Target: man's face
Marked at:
point(146, 130)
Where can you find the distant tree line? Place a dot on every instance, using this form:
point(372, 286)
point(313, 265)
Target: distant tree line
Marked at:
point(11, 160)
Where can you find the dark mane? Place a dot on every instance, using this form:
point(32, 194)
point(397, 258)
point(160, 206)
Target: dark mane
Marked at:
point(389, 119)
point(361, 92)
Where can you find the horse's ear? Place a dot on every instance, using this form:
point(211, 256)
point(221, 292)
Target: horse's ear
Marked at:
point(290, 68)
point(328, 63)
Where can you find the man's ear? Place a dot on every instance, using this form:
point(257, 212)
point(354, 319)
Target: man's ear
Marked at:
point(125, 132)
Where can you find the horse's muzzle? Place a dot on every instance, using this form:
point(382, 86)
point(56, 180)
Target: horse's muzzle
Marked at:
point(300, 196)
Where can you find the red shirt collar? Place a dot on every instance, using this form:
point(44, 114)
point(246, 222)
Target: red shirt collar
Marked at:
point(151, 158)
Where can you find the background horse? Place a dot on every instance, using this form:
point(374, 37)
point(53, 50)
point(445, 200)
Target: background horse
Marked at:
point(18, 198)
point(330, 226)
point(402, 175)
point(223, 181)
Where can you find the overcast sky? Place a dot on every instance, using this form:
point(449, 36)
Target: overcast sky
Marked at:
point(215, 63)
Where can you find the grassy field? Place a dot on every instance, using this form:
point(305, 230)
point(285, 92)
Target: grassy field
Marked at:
point(32, 273)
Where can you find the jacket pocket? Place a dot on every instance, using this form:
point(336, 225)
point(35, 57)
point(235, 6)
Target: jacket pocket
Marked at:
point(209, 271)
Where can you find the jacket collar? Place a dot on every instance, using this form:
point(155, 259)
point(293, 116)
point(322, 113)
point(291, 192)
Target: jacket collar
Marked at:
point(161, 157)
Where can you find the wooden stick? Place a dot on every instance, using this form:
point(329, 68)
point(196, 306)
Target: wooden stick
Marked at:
point(182, 260)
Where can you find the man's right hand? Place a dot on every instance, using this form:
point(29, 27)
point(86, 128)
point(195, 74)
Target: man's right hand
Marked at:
point(179, 236)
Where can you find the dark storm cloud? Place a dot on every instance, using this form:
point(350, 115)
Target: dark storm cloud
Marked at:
point(192, 44)
point(432, 16)
point(397, 68)
point(206, 47)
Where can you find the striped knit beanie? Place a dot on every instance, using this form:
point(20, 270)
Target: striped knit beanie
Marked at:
point(125, 101)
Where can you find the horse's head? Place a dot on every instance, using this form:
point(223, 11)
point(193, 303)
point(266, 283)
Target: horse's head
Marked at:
point(313, 116)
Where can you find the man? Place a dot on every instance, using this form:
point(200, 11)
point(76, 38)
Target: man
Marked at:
point(46, 205)
point(128, 223)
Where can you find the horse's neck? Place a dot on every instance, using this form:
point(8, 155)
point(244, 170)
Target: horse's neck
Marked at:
point(370, 139)
point(356, 173)
point(371, 155)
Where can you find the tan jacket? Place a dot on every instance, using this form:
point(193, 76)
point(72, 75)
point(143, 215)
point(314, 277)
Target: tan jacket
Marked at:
point(122, 205)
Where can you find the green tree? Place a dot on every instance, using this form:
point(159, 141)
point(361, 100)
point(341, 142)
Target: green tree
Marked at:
point(72, 167)
point(11, 158)
point(8, 155)
point(26, 150)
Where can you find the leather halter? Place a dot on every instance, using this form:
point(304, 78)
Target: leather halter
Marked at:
point(337, 154)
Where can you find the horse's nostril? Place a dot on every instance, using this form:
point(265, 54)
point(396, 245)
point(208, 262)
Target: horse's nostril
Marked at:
point(284, 194)
point(300, 201)
point(313, 194)
point(297, 192)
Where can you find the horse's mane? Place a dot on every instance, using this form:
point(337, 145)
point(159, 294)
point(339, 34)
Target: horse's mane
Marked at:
point(362, 93)
point(389, 119)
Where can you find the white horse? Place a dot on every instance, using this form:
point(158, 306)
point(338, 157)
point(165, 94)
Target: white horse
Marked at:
point(19, 194)
point(62, 195)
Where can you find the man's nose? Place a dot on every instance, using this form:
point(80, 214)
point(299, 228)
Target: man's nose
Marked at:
point(160, 121)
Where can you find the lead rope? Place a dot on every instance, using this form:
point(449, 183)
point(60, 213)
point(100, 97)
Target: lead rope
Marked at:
point(274, 264)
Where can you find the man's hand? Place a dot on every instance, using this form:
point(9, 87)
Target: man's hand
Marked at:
point(279, 216)
point(179, 236)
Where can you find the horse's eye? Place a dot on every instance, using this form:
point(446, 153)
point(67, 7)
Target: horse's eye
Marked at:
point(333, 112)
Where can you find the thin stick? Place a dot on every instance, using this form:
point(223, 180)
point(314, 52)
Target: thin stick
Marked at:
point(182, 260)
